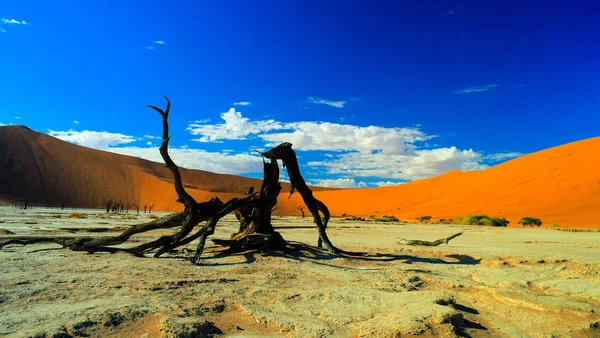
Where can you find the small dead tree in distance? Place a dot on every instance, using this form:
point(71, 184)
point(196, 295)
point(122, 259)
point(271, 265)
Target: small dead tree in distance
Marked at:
point(301, 208)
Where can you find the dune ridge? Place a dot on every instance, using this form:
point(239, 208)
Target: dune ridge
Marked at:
point(559, 184)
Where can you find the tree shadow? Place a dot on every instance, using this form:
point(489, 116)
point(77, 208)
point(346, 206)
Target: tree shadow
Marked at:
point(306, 253)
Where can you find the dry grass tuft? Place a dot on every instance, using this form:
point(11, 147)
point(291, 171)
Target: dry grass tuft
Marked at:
point(77, 215)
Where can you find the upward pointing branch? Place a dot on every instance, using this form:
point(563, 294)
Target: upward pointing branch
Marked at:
point(184, 197)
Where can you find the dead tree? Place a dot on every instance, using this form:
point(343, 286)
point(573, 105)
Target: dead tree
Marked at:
point(150, 208)
point(108, 202)
point(145, 208)
point(128, 206)
point(426, 243)
point(301, 208)
point(252, 210)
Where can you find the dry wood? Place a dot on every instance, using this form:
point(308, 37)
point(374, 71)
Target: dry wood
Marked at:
point(287, 155)
point(426, 243)
point(252, 210)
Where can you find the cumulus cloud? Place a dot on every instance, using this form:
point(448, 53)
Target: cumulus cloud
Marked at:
point(360, 151)
point(475, 89)
point(75, 121)
point(410, 166)
point(17, 117)
point(311, 135)
point(344, 137)
point(2, 30)
point(235, 127)
point(93, 139)
point(159, 42)
point(224, 163)
point(338, 183)
point(242, 103)
point(151, 137)
point(318, 100)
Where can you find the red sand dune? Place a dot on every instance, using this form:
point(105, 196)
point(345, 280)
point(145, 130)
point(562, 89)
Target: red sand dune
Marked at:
point(560, 184)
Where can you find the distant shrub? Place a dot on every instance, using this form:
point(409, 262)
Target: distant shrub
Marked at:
point(385, 219)
point(555, 225)
point(424, 219)
point(344, 214)
point(481, 220)
point(531, 221)
point(77, 215)
point(152, 216)
point(436, 222)
point(57, 216)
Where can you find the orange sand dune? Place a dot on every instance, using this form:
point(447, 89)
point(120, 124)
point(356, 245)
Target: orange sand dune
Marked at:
point(560, 184)
point(44, 170)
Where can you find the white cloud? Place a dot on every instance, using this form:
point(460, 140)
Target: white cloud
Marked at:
point(159, 42)
point(519, 86)
point(410, 166)
point(338, 183)
point(149, 143)
point(475, 89)
point(389, 153)
point(234, 164)
point(386, 183)
point(13, 22)
point(93, 139)
point(17, 117)
point(242, 103)
point(502, 156)
point(75, 121)
point(151, 137)
point(317, 100)
point(344, 137)
point(149, 47)
point(236, 127)
point(2, 30)
point(450, 12)
point(311, 135)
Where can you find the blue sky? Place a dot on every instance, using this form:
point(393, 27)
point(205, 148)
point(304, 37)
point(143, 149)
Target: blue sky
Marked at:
point(370, 93)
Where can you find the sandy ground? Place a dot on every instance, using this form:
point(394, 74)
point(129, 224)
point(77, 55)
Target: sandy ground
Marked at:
point(489, 282)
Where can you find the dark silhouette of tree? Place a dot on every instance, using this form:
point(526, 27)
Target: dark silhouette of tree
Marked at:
point(301, 208)
point(108, 202)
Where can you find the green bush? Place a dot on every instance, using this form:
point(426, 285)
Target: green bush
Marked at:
point(531, 221)
point(555, 225)
point(424, 219)
point(481, 220)
point(385, 219)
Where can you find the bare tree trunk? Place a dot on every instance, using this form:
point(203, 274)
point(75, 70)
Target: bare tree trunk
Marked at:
point(287, 155)
point(252, 210)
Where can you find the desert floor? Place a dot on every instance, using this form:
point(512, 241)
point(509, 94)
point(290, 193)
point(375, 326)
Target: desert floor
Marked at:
point(489, 282)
